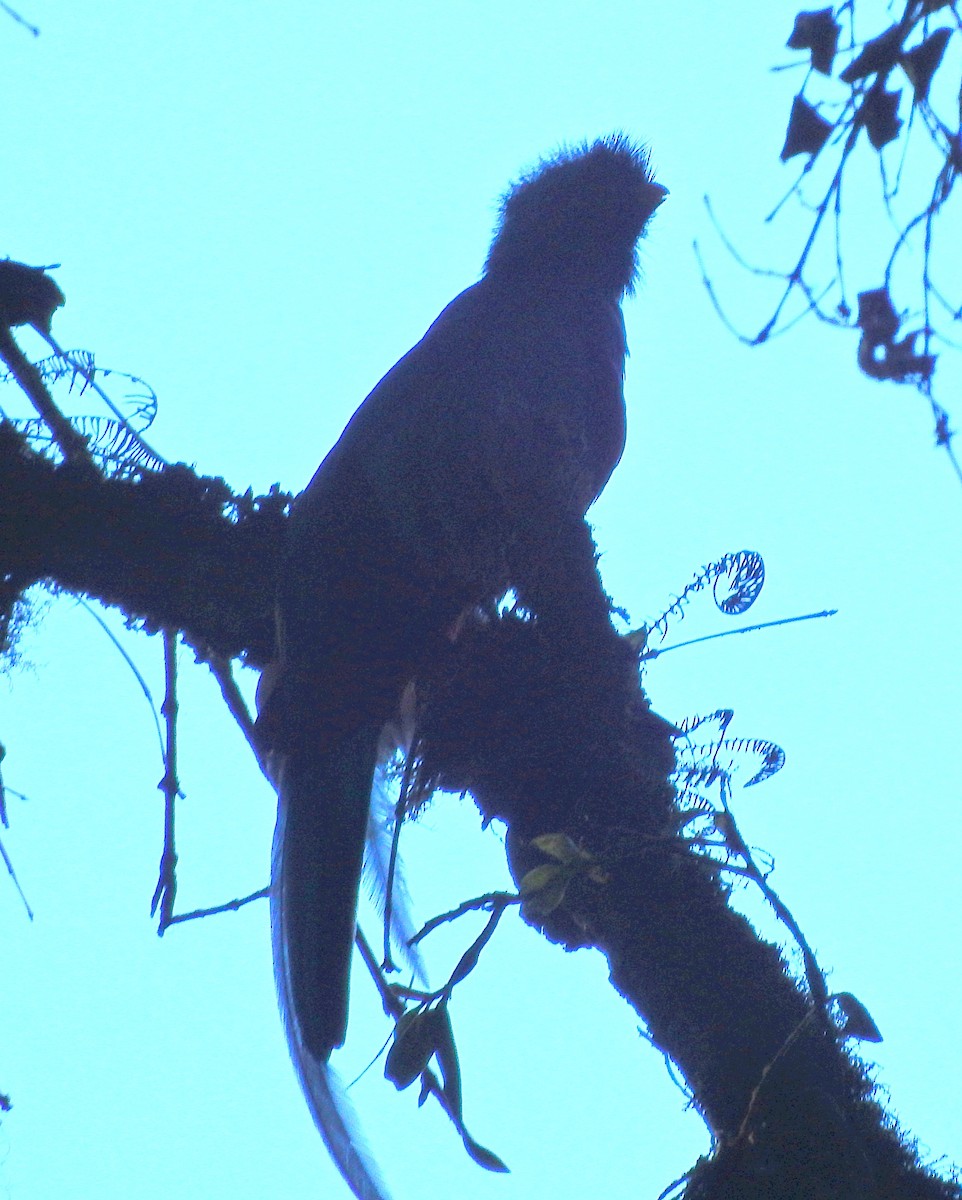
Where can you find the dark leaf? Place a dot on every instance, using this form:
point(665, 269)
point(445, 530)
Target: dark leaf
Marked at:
point(857, 1022)
point(877, 317)
point(28, 296)
point(447, 1056)
point(879, 114)
point(484, 1158)
point(879, 355)
point(725, 824)
point(469, 959)
point(772, 757)
point(817, 32)
point(412, 1049)
point(878, 56)
point(895, 361)
point(904, 363)
point(921, 63)
point(807, 132)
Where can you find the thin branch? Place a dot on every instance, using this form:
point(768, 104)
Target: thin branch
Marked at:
point(744, 1128)
point(166, 889)
point(795, 277)
point(762, 272)
point(859, 110)
point(486, 903)
point(222, 670)
point(230, 906)
point(943, 433)
point(16, 882)
point(393, 1005)
point(15, 16)
point(118, 646)
point(827, 612)
point(813, 972)
point(716, 303)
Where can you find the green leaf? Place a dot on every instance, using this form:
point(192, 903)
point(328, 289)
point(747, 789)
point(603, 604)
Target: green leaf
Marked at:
point(543, 889)
point(560, 847)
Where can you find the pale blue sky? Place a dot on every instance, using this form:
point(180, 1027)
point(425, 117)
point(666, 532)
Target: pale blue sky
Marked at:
point(259, 209)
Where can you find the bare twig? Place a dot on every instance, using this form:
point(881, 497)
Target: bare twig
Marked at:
point(487, 903)
point(166, 889)
point(828, 612)
point(230, 906)
point(118, 646)
point(16, 882)
point(870, 105)
point(15, 16)
point(222, 670)
point(729, 830)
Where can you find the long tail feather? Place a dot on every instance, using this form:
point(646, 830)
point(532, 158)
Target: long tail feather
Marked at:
point(316, 864)
point(337, 1123)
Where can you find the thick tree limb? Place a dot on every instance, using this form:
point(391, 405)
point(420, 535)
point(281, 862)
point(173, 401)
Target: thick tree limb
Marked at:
point(171, 549)
point(545, 722)
point(552, 736)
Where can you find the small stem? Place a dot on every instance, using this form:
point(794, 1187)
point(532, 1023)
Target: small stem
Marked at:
point(710, 637)
point(166, 889)
point(229, 906)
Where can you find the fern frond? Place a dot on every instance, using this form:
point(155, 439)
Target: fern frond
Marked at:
point(116, 449)
point(743, 575)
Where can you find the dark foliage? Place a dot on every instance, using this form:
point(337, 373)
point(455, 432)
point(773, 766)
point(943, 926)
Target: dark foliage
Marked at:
point(851, 88)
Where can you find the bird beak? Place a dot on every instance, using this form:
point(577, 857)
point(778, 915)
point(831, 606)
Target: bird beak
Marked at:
point(658, 194)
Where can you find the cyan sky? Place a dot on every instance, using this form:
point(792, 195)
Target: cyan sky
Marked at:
point(259, 208)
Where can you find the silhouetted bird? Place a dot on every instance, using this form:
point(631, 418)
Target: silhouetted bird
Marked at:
point(448, 487)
